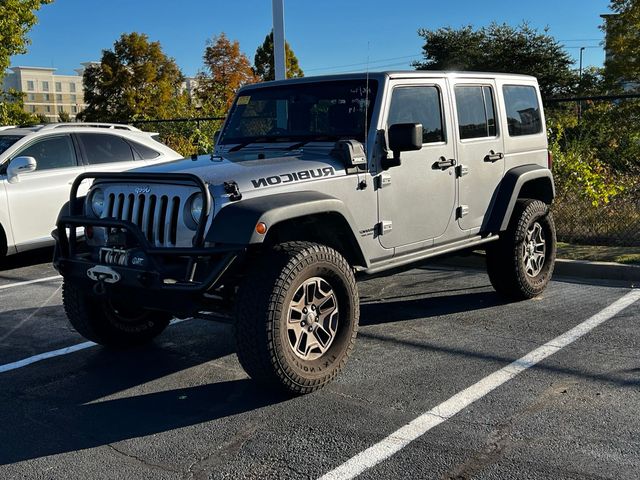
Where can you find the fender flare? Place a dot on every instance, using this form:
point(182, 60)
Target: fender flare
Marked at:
point(509, 192)
point(236, 222)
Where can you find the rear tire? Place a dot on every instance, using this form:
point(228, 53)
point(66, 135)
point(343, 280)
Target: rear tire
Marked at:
point(297, 317)
point(521, 263)
point(110, 325)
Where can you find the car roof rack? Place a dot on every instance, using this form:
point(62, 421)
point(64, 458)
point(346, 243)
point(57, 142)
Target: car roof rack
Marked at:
point(7, 127)
point(111, 126)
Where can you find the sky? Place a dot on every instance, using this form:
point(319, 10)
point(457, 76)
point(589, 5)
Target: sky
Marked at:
point(328, 36)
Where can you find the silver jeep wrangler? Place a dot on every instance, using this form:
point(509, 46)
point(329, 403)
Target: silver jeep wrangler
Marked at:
point(314, 182)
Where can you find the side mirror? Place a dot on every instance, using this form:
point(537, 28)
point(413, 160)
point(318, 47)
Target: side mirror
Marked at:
point(403, 137)
point(18, 166)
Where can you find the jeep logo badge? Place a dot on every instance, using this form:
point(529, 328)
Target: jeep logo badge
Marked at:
point(145, 189)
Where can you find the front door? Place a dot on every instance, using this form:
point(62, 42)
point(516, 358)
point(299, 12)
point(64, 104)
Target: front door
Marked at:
point(416, 199)
point(36, 199)
point(480, 150)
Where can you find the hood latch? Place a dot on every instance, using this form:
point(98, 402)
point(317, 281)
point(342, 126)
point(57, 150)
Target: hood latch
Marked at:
point(233, 190)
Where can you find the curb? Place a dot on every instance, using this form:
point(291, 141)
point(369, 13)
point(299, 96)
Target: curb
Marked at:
point(563, 268)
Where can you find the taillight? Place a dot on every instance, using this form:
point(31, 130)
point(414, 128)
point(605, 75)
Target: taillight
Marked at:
point(549, 159)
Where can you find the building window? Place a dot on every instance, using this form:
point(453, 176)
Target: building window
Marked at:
point(58, 97)
point(47, 97)
point(72, 87)
point(74, 109)
point(58, 86)
point(31, 97)
point(31, 85)
point(74, 98)
point(45, 86)
point(60, 109)
point(32, 108)
point(48, 109)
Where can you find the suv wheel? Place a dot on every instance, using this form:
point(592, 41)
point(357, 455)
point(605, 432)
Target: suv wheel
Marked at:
point(107, 323)
point(520, 264)
point(297, 317)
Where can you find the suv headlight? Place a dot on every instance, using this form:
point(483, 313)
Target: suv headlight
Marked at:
point(195, 207)
point(97, 202)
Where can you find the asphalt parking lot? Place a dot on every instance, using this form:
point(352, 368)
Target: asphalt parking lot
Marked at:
point(183, 407)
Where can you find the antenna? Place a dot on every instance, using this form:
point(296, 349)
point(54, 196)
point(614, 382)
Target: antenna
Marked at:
point(366, 103)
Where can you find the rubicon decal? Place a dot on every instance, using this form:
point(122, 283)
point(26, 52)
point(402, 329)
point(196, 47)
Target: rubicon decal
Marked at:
point(294, 177)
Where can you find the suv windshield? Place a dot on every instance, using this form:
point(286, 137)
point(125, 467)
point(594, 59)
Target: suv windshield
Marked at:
point(7, 140)
point(321, 111)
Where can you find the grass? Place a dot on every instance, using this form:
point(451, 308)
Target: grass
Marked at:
point(599, 253)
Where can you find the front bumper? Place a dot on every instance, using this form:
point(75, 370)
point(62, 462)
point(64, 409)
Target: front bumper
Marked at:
point(180, 280)
point(172, 279)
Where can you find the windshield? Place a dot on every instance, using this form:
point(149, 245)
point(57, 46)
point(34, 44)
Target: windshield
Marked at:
point(321, 111)
point(7, 140)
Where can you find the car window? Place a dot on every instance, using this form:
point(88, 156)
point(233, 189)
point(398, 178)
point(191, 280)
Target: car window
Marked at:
point(7, 140)
point(143, 151)
point(476, 112)
point(103, 148)
point(51, 153)
point(523, 111)
point(418, 105)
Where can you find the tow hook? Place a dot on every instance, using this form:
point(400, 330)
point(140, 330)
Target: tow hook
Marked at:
point(101, 275)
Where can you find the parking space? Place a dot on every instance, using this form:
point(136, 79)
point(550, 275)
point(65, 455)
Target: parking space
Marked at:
point(183, 407)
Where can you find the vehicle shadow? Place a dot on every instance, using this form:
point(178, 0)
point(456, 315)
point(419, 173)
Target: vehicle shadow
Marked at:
point(60, 408)
point(398, 309)
point(27, 259)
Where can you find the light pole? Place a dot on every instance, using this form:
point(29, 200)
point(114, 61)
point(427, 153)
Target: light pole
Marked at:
point(278, 39)
point(580, 86)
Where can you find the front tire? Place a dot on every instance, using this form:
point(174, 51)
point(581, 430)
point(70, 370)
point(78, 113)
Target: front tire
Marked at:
point(521, 263)
point(109, 324)
point(297, 317)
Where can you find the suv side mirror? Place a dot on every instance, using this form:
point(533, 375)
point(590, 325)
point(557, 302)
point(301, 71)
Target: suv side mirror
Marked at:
point(18, 166)
point(403, 137)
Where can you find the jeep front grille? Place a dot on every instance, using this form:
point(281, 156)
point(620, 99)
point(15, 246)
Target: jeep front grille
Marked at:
point(159, 214)
point(155, 215)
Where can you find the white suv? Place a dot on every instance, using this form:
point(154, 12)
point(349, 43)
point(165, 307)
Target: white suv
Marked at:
point(39, 164)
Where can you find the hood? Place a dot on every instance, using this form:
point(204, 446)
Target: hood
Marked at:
point(252, 173)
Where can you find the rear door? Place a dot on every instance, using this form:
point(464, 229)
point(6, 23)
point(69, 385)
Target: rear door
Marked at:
point(480, 149)
point(35, 201)
point(105, 152)
point(416, 199)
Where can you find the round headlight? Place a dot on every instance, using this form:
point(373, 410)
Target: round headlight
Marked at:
point(97, 202)
point(196, 207)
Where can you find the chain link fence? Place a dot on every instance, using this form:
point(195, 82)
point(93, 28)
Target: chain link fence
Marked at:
point(597, 172)
point(579, 219)
point(187, 136)
point(617, 223)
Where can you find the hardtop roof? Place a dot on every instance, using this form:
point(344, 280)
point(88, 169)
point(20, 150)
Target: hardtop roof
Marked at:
point(393, 74)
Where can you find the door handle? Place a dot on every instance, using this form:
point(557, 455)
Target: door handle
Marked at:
point(493, 156)
point(444, 163)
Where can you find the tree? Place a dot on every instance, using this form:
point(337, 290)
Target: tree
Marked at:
point(264, 61)
point(226, 69)
point(17, 17)
point(500, 48)
point(12, 109)
point(623, 41)
point(135, 80)
point(63, 117)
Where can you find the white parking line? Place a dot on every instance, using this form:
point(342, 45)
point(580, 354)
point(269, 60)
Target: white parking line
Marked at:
point(425, 422)
point(29, 282)
point(57, 353)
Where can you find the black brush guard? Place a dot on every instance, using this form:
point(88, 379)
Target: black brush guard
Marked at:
point(147, 286)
